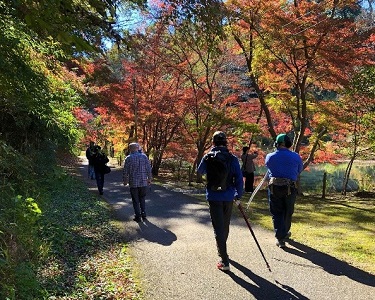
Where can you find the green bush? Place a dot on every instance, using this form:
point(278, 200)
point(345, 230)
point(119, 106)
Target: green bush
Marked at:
point(19, 248)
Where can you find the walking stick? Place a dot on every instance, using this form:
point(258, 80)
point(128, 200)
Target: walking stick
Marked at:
point(256, 190)
point(252, 232)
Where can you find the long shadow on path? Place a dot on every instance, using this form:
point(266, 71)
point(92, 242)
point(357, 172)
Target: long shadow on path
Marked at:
point(155, 234)
point(162, 205)
point(262, 288)
point(331, 264)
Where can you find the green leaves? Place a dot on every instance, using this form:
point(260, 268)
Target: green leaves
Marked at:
point(78, 25)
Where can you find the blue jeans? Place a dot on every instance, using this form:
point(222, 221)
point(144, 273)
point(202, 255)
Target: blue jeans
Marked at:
point(281, 206)
point(139, 200)
point(220, 212)
point(91, 172)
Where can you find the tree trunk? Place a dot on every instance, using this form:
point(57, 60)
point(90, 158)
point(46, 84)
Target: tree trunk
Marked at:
point(347, 175)
point(324, 185)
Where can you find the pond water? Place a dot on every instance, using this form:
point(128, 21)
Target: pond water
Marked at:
point(361, 177)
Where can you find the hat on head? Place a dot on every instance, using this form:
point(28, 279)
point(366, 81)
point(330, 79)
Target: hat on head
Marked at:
point(282, 138)
point(219, 138)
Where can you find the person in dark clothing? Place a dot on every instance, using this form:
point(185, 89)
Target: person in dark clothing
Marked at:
point(221, 200)
point(100, 160)
point(284, 167)
point(90, 152)
point(248, 168)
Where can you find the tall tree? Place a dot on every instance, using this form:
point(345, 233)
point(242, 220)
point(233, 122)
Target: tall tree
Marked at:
point(162, 102)
point(358, 104)
point(295, 51)
point(197, 50)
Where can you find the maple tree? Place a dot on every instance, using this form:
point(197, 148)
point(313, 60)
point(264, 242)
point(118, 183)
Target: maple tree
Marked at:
point(162, 103)
point(145, 103)
point(294, 52)
point(196, 51)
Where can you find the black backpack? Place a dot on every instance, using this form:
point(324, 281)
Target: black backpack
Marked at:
point(218, 165)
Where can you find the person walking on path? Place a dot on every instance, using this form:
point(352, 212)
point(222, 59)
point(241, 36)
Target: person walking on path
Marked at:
point(90, 152)
point(100, 160)
point(284, 167)
point(224, 184)
point(137, 173)
point(248, 168)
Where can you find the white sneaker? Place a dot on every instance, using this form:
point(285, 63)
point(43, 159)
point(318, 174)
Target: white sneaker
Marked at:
point(221, 266)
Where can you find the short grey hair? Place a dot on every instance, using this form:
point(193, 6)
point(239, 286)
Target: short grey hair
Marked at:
point(133, 147)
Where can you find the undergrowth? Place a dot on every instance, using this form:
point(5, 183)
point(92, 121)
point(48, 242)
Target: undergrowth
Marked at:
point(86, 257)
point(57, 242)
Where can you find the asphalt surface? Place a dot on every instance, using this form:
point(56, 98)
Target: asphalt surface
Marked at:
point(176, 254)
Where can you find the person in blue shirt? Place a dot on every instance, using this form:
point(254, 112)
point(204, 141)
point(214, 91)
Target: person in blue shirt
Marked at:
point(221, 200)
point(137, 173)
point(284, 167)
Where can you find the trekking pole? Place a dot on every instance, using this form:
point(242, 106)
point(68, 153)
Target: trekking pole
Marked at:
point(252, 232)
point(256, 190)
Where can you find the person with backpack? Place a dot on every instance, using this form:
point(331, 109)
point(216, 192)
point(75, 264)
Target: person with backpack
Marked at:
point(100, 160)
point(248, 168)
point(224, 184)
point(284, 167)
point(137, 173)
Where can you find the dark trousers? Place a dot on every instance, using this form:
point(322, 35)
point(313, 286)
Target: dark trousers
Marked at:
point(220, 212)
point(249, 182)
point(139, 200)
point(281, 206)
point(99, 176)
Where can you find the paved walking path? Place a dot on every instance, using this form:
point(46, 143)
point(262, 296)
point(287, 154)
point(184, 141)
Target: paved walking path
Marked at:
point(176, 254)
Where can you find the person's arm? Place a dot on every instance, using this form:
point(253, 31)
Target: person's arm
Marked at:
point(202, 169)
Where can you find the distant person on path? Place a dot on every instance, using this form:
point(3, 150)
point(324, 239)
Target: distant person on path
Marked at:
point(248, 168)
point(112, 151)
point(100, 159)
point(284, 167)
point(137, 173)
point(90, 151)
point(224, 184)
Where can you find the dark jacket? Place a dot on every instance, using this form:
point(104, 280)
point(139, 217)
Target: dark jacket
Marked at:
point(99, 161)
point(90, 153)
point(248, 159)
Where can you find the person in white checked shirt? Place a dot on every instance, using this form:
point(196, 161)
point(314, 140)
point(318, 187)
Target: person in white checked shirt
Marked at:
point(137, 173)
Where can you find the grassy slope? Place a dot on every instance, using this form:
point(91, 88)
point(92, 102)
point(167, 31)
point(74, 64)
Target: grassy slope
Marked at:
point(86, 257)
point(342, 227)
